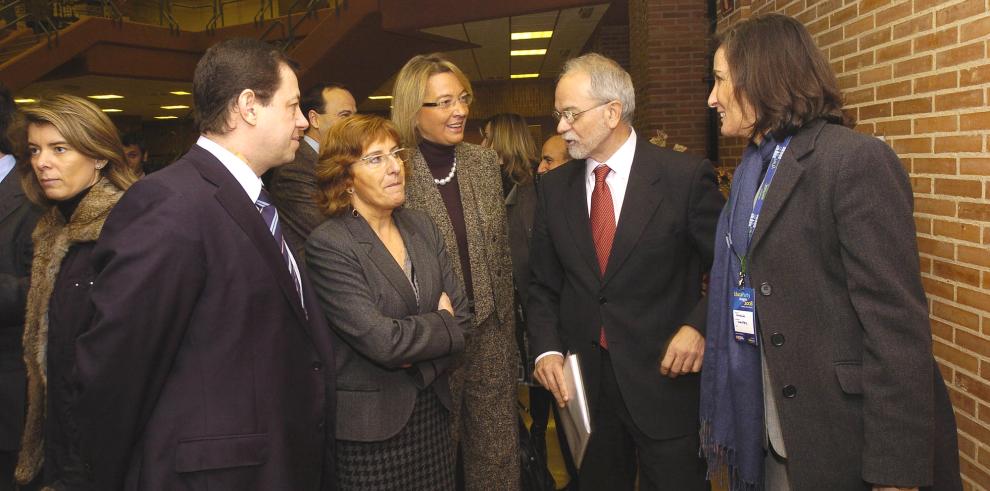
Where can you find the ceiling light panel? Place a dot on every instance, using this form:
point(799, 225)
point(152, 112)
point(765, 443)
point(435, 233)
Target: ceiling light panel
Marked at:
point(528, 52)
point(180, 92)
point(103, 97)
point(112, 110)
point(177, 106)
point(166, 117)
point(517, 36)
point(379, 97)
point(524, 75)
point(25, 101)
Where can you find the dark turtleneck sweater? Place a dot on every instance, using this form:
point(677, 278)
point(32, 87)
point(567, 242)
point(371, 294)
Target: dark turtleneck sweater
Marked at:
point(440, 158)
point(68, 207)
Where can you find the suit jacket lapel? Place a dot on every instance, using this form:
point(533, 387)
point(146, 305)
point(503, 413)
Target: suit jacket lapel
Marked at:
point(420, 255)
point(576, 213)
point(638, 205)
point(10, 188)
point(238, 205)
point(787, 177)
point(383, 259)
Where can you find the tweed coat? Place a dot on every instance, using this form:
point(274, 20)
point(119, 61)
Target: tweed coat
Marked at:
point(378, 325)
point(484, 387)
point(17, 219)
point(293, 189)
point(840, 301)
point(58, 308)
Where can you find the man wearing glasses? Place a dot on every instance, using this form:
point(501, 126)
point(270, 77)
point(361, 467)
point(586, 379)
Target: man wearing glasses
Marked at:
point(622, 237)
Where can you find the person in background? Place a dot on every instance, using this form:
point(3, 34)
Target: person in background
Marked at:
point(459, 186)
point(509, 136)
point(18, 216)
point(622, 237)
point(819, 371)
point(74, 168)
point(553, 154)
point(136, 153)
point(293, 185)
point(224, 378)
point(397, 311)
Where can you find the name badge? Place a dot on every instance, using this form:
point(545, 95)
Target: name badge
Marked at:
point(744, 315)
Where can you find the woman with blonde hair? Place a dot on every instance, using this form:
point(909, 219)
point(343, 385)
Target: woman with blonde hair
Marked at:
point(75, 169)
point(459, 186)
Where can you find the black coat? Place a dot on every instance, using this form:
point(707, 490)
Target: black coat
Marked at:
point(17, 219)
point(838, 292)
point(652, 284)
point(201, 369)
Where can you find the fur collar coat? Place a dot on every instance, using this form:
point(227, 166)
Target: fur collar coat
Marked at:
point(53, 238)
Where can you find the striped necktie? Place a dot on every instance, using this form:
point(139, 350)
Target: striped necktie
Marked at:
point(602, 226)
point(270, 215)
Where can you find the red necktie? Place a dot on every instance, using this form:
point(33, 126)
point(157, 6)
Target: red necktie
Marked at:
point(602, 226)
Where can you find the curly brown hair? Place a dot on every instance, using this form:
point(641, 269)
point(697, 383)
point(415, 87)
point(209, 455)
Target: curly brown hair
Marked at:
point(343, 146)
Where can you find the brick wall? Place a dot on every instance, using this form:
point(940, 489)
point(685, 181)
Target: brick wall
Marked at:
point(917, 72)
point(668, 61)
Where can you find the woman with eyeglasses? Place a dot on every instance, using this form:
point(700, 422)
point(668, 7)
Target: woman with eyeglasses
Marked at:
point(459, 185)
point(75, 169)
point(397, 311)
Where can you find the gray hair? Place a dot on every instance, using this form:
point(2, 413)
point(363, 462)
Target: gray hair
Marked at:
point(609, 81)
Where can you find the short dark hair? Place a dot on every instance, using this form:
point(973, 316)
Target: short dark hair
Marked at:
point(312, 99)
point(776, 67)
point(228, 68)
point(8, 120)
point(134, 138)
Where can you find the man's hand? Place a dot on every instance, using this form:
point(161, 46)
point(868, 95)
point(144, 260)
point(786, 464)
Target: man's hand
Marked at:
point(549, 372)
point(684, 353)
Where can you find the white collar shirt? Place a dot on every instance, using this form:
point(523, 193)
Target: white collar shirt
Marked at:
point(249, 181)
point(617, 179)
point(6, 165)
point(315, 145)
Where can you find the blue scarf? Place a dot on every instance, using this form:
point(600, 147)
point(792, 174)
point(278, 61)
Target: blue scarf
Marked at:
point(731, 383)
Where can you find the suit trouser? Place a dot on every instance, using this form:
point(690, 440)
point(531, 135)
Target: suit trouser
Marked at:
point(616, 445)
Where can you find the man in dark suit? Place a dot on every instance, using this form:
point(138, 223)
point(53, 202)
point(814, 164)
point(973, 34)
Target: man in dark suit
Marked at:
point(224, 378)
point(17, 219)
point(622, 237)
point(293, 186)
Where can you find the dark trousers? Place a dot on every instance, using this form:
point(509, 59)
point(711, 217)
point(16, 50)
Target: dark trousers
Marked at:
point(617, 445)
point(541, 403)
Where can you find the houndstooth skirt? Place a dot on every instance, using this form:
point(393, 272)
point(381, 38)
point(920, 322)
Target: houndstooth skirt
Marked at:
point(420, 456)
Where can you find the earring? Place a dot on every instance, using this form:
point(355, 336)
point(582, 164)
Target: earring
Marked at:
point(100, 164)
point(350, 190)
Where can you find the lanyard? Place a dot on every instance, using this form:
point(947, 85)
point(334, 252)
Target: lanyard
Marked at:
point(754, 217)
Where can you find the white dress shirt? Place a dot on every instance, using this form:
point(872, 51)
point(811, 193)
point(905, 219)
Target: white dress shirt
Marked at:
point(315, 145)
point(617, 179)
point(249, 181)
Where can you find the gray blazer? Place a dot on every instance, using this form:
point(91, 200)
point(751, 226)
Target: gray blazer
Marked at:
point(377, 324)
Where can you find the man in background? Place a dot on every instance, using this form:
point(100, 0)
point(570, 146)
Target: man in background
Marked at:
point(293, 186)
point(136, 153)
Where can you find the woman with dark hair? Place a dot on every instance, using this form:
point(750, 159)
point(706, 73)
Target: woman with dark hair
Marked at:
point(508, 135)
point(458, 184)
point(75, 169)
point(396, 309)
point(818, 372)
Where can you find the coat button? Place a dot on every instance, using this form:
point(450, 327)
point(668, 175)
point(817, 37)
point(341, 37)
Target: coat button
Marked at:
point(790, 391)
point(765, 289)
point(777, 339)
point(317, 366)
point(602, 300)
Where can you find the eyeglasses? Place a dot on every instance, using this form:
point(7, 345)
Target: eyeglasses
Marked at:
point(377, 160)
point(571, 116)
point(448, 102)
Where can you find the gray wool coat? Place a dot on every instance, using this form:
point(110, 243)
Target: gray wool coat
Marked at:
point(484, 387)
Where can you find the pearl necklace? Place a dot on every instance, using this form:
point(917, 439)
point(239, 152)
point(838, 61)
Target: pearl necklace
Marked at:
point(453, 169)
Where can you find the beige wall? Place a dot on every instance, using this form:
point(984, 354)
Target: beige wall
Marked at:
point(917, 73)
